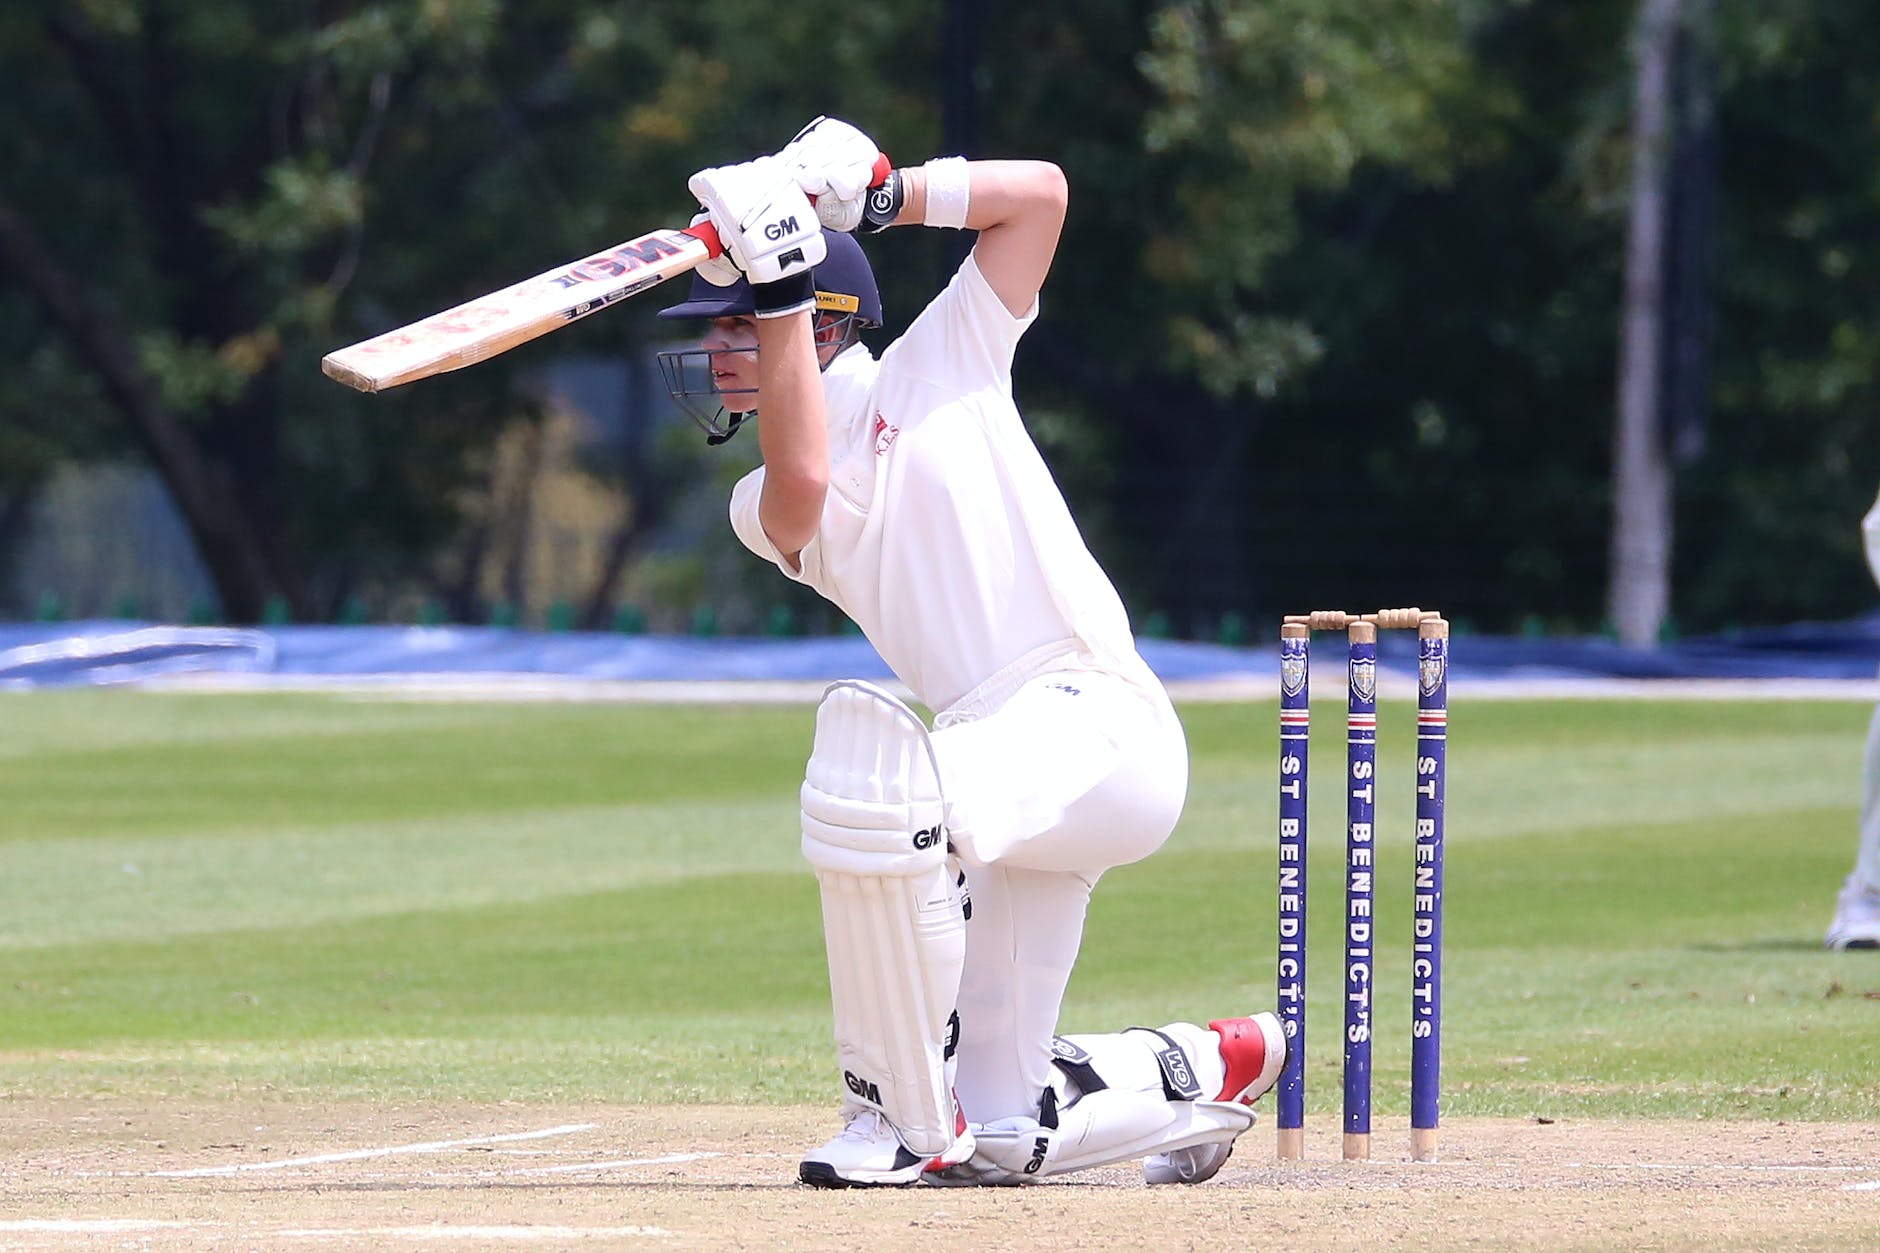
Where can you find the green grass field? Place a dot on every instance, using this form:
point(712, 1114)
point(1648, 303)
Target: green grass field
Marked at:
point(336, 899)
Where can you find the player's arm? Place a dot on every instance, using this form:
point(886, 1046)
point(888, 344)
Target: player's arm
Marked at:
point(1016, 206)
point(770, 231)
point(793, 433)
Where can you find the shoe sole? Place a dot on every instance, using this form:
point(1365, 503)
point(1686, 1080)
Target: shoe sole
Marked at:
point(907, 1172)
point(823, 1175)
point(1177, 1181)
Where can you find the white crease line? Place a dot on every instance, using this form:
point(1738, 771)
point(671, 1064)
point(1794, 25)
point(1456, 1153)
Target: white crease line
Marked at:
point(1850, 1168)
point(91, 1226)
point(356, 1155)
point(469, 1233)
point(440, 1231)
point(623, 1162)
point(1872, 1185)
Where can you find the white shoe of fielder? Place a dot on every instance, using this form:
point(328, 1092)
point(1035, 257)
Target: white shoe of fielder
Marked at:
point(1856, 917)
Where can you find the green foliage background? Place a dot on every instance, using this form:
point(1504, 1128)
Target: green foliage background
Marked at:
point(1333, 321)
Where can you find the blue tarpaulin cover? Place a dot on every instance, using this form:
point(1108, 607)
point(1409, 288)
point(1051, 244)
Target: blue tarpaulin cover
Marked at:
point(99, 652)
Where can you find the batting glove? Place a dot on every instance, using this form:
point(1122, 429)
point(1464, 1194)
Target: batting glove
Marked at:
point(721, 270)
point(764, 220)
point(833, 163)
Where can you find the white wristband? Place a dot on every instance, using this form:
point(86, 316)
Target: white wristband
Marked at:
point(949, 189)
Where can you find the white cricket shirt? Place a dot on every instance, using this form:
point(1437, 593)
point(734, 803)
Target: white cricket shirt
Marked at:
point(944, 536)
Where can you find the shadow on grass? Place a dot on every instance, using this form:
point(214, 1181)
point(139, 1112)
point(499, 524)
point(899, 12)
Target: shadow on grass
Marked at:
point(1782, 945)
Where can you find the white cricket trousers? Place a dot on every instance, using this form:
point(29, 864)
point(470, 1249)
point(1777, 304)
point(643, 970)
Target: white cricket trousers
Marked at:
point(1076, 772)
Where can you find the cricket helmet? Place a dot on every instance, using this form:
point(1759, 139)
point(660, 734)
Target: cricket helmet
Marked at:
point(846, 301)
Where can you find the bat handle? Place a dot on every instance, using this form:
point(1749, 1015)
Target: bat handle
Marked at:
point(707, 234)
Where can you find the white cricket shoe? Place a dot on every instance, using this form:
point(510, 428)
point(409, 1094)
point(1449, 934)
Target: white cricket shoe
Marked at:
point(1856, 917)
point(1196, 1165)
point(868, 1154)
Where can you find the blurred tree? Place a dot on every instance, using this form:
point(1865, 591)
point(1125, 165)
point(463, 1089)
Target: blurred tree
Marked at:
point(1638, 594)
point(1768, 517)
point(1208, 142)
point(186, 210)
point(1333, 321)
point(1451, 437)
point(208, 195)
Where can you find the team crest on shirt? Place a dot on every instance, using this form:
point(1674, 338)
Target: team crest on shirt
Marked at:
point(1364, 678)
point(884, 434)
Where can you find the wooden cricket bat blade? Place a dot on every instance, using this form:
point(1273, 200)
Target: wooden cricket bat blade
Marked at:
point(492, 324)
point(334, 367)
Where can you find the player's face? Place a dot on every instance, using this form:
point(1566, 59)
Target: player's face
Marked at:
point(830, 330)
point(733, 345)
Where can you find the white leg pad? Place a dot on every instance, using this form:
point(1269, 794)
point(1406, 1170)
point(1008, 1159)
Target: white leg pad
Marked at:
point(873, 817)
point(1114, 1125)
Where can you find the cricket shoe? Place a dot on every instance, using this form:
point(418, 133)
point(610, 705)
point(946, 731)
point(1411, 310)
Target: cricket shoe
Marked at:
point(868, 1154)
point(1856, 917)
point(1254, 1050)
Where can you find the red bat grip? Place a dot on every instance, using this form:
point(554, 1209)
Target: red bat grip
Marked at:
point(707, 234)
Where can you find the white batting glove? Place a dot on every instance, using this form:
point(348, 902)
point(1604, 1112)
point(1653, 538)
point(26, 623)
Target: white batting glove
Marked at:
point(763, 218)
point(833, 162)
point(721, 270)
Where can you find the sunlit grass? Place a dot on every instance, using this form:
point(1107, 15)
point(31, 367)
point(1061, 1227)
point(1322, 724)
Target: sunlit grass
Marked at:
point(331, 898)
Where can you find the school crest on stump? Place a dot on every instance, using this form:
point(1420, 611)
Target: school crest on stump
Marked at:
point(1364, 678)
point(1292, 669)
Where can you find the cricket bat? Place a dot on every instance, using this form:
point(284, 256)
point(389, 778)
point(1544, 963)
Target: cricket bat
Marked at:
point(492, 324)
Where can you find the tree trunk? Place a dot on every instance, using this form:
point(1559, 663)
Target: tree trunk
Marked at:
point(1639, 586)
point(204, 490)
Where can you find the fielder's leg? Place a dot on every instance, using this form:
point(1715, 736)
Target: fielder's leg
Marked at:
point(892, 922)
point(1857, 912)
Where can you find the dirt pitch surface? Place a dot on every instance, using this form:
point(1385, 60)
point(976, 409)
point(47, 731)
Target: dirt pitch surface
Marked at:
point(270, 1175)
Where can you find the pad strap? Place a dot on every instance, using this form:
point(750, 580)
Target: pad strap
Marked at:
point(1178, 1073)
point(1077, 1066)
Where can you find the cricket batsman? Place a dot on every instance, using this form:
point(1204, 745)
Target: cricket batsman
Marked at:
point(955, 863)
